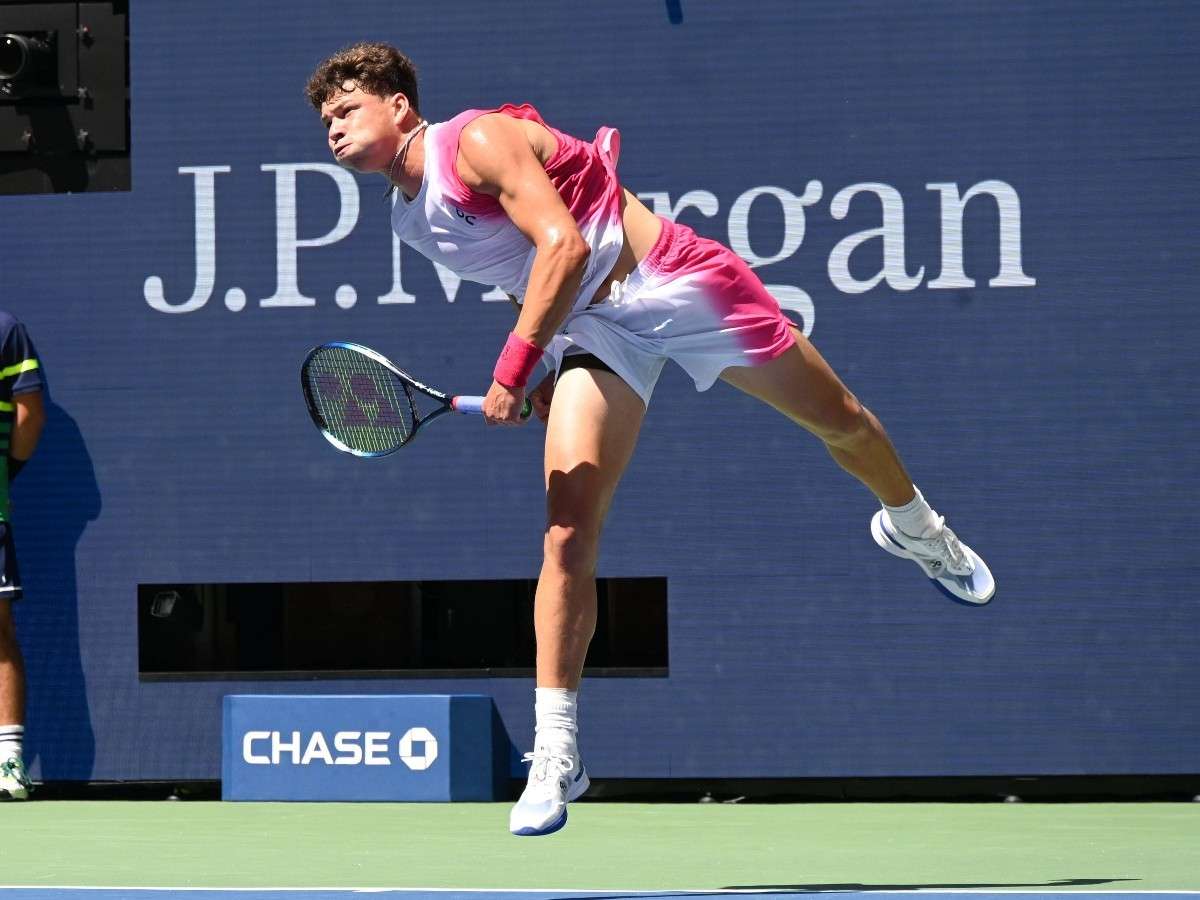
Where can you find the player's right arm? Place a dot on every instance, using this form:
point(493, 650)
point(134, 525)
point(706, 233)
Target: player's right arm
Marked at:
point(19, 361)
point(29, 417)
point(497, 158)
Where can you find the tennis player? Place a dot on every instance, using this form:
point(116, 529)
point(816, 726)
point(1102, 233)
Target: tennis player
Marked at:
point(609, 292)
point(22, 416)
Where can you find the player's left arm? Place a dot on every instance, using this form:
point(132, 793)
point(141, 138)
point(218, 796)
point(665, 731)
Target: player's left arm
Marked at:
point(497, 158)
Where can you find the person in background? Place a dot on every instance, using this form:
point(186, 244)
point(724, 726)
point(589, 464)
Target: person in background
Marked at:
point(22, 416)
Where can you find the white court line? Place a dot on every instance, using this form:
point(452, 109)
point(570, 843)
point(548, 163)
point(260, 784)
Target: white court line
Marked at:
point(561, 890)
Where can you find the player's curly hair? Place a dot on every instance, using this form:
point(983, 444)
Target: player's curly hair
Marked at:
point(376, 68)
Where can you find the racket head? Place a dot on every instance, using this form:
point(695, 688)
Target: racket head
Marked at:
point(359, 400)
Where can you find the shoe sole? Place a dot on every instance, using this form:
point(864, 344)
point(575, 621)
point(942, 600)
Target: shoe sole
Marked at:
point(554, 826)
point(982, 574)
point(578, 789)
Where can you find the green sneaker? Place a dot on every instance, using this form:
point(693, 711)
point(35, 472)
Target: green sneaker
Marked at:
point(14, 783)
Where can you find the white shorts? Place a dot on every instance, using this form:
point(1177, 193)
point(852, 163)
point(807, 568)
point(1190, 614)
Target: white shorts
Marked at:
point(691, 300)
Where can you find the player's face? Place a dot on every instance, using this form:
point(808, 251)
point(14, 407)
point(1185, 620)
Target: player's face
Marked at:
point(361, 129)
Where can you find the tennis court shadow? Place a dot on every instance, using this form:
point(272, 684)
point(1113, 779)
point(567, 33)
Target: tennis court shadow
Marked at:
point(53, 502)
point(965, 886)
point(848, 887)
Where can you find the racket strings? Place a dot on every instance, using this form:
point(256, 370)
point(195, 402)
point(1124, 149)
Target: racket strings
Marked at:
point(360, 403)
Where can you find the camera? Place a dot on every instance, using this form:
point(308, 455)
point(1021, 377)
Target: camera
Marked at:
point(29, 64)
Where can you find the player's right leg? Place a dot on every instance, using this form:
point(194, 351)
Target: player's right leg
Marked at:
point(594, 422)
point(14, 783)
point(800, 384)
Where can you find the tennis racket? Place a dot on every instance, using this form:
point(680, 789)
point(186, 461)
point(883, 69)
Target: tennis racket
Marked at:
point(365, 405)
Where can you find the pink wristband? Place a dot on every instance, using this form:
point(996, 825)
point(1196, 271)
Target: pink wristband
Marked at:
point(517, 361)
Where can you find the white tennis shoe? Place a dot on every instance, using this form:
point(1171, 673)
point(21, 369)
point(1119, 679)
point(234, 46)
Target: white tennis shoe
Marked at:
point(14, 783)
point(954, 568)
point(555, 779)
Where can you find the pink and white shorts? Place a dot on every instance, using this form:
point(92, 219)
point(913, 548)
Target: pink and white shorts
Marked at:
point(691, 300)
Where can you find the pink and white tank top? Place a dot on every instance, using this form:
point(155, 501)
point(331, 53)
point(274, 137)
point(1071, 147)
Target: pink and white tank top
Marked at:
point(469, 232)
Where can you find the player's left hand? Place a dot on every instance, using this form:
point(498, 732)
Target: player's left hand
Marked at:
point(541, 397)
point(503, 405)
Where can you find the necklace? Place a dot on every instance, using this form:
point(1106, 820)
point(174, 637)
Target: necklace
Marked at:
point(399, 153)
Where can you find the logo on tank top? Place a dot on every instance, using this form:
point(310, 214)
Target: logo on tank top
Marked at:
point(467, 217)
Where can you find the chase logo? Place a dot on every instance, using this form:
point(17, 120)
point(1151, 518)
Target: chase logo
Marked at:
point(351, 747)
point(417, 748)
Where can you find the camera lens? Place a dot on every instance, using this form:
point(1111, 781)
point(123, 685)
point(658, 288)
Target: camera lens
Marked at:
point(27, 59)
point(14, 56)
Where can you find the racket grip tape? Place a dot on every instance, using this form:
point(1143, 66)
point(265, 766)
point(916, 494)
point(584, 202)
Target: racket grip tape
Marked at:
point(474, 406)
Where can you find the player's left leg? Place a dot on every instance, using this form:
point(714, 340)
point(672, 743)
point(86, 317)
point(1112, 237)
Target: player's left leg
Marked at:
point(14, 784)
point(593, 428)
point(594, 422)
point(801, 384)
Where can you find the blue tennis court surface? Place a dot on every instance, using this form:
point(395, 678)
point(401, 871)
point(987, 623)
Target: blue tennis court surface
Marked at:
point(123, 893)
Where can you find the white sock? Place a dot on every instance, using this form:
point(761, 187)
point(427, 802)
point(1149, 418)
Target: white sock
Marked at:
point(555, 711)
point(10, 741)
point(914, 518)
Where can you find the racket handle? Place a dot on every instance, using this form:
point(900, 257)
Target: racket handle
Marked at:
point(474, 406)
point(465, 404)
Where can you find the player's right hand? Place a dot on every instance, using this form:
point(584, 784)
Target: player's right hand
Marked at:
point(503, 405)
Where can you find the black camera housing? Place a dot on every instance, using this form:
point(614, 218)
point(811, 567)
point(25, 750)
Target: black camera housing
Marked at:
point(29, 65)
point(64, 96)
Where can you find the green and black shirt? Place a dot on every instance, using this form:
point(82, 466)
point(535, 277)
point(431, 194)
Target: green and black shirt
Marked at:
point(20, 373)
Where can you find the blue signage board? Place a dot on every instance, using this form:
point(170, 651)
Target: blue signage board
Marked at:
point(984, 216)
point(371, 747)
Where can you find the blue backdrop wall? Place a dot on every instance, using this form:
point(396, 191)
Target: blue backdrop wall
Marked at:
point(984, 214)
